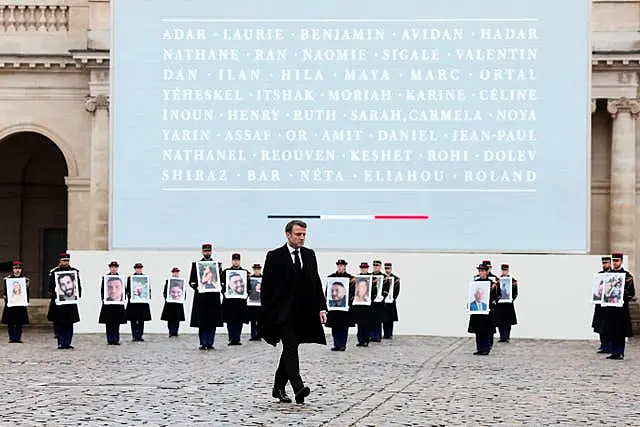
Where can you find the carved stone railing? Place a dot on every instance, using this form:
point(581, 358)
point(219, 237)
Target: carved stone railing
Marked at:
point(27, 18)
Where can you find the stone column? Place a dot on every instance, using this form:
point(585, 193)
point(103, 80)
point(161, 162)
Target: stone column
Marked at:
point(623, 177)
point(78, 231)
point(98, 106)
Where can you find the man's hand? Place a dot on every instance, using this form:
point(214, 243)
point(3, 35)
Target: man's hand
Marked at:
point(323, 317)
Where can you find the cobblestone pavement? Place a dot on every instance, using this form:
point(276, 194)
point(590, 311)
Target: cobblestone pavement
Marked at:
point(417, 381)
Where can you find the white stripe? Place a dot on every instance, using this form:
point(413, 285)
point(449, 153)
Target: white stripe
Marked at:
point(349, 20)
point(354, 190)
point(349, 217)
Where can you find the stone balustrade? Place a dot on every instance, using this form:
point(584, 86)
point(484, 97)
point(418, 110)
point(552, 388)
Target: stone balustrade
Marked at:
point(17, 18)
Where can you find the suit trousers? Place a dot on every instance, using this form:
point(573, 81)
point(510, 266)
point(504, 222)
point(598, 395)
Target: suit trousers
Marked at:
point(605, 343)
point(137, 329)
point(173, 327)
point(617, 346)
point(254, 329)
point(289, 365)
point(15, 332)
point(64, 334)
point(505, 332)
point(388, 330)
point(340, 336)
point(234, 329)
point(207, 336)
point(113, 333)
point(483, 342)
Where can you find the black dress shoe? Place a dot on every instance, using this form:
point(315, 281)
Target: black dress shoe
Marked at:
point(335, 348)
point(502, 340)
point(281, 395)
point(604, 352)
point(615, 357)
point(342, 349)
point(362, 344)
point(302, 393)
point(209, 347)
point(203, 347)
point(255, 339)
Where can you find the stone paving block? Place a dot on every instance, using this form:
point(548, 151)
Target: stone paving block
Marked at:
point(409, 381)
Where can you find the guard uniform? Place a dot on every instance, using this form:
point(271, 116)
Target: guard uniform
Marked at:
point(172, 312)
point(253, 311)
point(505, 311)
point(206, 311)
point(15, 317)
point(112, 315)
point(482, 325)
point(234, 310)
point(341, 321)
point(596, 321)
point(616, 321)
point(63, 316)
point(362, 315)
point(377, 307)
point(391, 310)
point(137, 312)
point(494, 279)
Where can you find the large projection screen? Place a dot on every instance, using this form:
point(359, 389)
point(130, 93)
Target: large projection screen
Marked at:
point(458, 125)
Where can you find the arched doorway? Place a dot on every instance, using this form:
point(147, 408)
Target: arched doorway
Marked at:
point(33, 197)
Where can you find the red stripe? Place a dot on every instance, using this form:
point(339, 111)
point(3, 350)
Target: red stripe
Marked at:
point(401, 217)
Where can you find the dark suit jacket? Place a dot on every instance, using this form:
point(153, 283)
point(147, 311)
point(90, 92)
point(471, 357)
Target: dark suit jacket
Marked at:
point(278, 293)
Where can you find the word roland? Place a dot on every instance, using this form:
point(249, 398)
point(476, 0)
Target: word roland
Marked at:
point(500, 176)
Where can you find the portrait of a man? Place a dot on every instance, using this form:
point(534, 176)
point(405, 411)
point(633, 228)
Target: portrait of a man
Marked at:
point(362, 294)
point(597, 288)
point(140, 288)
point(66, 287)
point(255, 283)
point(16, 288)
point(176, 290)
point(478, 300)
point(505, 290)
point(337, 293)
point(236, 281)
point(114, 289)
point(208, 279)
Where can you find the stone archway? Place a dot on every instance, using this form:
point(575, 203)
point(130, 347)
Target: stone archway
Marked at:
point(34, 201)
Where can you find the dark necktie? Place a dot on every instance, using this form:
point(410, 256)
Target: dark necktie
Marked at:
point(297, 260)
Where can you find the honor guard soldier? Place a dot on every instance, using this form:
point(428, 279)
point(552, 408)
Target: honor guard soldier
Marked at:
point(234, 310)
point(137, 312)
point(63, 316)
point(15, 317)
point(494, 282)
point(505, 311)
point(391, 310)
point(253, 311)
point(113, 315)
point(341, 321)
point(378, 295)
point(172, 313)
point(596, 321)
point(616, 321)
point(362, 315)
point(482, 325)
point(206, 311)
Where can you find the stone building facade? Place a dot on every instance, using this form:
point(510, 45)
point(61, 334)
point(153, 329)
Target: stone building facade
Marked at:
point(55, 129)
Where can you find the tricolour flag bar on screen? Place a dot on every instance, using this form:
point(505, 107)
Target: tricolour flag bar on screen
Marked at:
point(351, 217)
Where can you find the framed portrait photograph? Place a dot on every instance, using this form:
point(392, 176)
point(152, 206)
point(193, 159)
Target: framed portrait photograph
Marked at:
point(236, 281)
point(613, 292)
point(362, 294)
point(392, 284)
point(597, 288)
point(506, 289)
point(478, 297)
point(16, 291)
point(255, 283)
point(379, 283)
point(176, 290)
point(208, 278)
point(113, 291)
point(66, 287)
point(337, 293)
point(140, 289)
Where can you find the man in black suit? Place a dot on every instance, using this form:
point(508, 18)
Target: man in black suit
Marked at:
point(293, 307)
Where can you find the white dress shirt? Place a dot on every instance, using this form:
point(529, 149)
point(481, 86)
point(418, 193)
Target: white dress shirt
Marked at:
point(293, 257)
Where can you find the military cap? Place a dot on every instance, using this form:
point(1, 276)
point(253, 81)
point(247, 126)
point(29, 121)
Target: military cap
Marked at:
point(257, 266)
point(341, 262)
point(487, 263)
point(387, 264)
point(606, 259)
point(483, 267)
point(175, 270)
point(617, 256)
point(17, 264)
point(114, 264)
point(364, 265)
point(207, 246)
point(376, 262)
point(235, 256)
point(64, 256)
point(504, 266)
point(138, 265)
